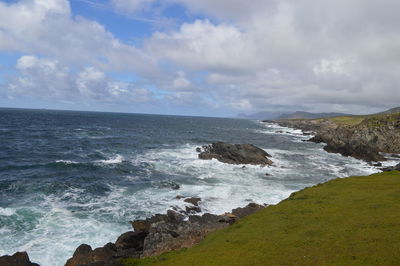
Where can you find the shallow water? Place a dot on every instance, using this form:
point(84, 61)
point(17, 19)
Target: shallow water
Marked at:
point(68, 178)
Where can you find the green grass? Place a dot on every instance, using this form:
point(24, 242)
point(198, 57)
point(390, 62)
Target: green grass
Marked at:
point(370, 120)
point(350, 221)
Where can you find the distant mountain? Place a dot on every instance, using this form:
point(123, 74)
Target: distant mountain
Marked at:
point(390, 111)
point(307, 115)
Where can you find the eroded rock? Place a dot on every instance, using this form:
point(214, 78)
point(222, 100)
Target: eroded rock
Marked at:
point(235, 154)
point(17, 259)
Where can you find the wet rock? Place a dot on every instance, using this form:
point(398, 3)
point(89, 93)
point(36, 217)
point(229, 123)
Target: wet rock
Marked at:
point(268, 174)
point(18, 259)
point(180, 197)
point(192, 209)
point(193, 200)
point(198, 149)
point(169, 184)
point(391, 168)
point(235, 154)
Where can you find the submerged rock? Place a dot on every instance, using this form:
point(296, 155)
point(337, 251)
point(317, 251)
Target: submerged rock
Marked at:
point(235, 154)
point(391, 168)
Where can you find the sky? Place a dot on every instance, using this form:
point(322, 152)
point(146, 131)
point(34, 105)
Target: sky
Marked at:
point(200, 57)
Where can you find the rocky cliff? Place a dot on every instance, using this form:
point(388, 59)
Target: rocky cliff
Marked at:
point(360, 137)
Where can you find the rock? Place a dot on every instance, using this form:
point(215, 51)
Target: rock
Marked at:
point(228, 218)
point(378, 164)
point(192, 209)
point(131, 240)
point(83, 250)
point(84, 255)
point(391, 168)
point(365, 140)
point(180, 197)
point(198, 149)
point(18, 259)
point(141, 225)
point(268, 174)
point(235, 154)
point(249, 209)
point(158, 234)
point(194, 201)
point(168, 184)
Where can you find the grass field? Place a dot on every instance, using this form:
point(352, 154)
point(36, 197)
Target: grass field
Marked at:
point(371, 120)
point(349, 221)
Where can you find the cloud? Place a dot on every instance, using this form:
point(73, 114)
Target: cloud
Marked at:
point(240, 56)
point(47, 27)
point(326, 55)
point(48, 78)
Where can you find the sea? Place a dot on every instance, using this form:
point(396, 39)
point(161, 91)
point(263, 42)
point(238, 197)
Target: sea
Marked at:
point(68, 178)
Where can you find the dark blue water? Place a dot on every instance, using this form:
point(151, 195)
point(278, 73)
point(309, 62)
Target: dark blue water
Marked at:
point(68, 178)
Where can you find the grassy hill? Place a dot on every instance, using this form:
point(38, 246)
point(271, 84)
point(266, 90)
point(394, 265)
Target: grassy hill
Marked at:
point(350, 221)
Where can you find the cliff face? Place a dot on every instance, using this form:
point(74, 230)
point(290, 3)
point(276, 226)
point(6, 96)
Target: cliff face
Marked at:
point(360, 138)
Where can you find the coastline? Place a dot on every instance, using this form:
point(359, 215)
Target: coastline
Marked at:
point(364, 138)
point(110, 249)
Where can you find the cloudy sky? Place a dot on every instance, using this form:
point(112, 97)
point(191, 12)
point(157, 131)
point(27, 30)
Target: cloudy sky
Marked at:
point(200, 57)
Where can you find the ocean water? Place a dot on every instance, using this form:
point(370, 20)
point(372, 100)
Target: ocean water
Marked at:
point(68, 178)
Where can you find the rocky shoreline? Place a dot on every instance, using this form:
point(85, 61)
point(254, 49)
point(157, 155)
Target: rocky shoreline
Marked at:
point(174, 230)
point(365, 140)
point(150, 237)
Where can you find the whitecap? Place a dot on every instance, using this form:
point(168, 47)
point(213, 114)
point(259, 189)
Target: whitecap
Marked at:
point(113, 160)
point(66, 162)
point(7, 211)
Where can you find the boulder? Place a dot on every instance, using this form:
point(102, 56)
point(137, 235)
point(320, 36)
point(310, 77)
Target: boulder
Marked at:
point(235, 154)
point(193, 200)
point(18, 259)
point(131, 240)
point(391, 168)
point(84, 255)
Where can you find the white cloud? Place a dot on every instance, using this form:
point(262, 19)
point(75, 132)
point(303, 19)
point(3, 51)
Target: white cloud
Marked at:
point(47, 27)
point(48, 78)
point(248, 55)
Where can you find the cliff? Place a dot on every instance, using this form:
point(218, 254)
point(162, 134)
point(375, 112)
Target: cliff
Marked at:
point(362, 137)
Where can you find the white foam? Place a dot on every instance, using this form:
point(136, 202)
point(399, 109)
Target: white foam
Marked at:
point(113, 160)
point(7, 211)
point(66, 162)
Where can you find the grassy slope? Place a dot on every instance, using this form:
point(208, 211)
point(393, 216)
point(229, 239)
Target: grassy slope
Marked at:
point(373, 120)
point(350, 221)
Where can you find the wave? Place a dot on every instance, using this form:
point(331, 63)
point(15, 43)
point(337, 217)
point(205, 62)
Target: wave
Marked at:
point(66, 162)
point(7, 211)
point(117, 159)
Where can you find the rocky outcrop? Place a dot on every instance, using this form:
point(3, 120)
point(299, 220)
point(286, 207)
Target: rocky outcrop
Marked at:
point(235, 153)
point(364, 140)
point(391, 168)
point(158, 234)
point(18, 259)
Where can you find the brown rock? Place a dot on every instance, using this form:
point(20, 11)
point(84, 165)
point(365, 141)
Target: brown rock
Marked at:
point(18, 259)
point(131, 240)
point(194, 201)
